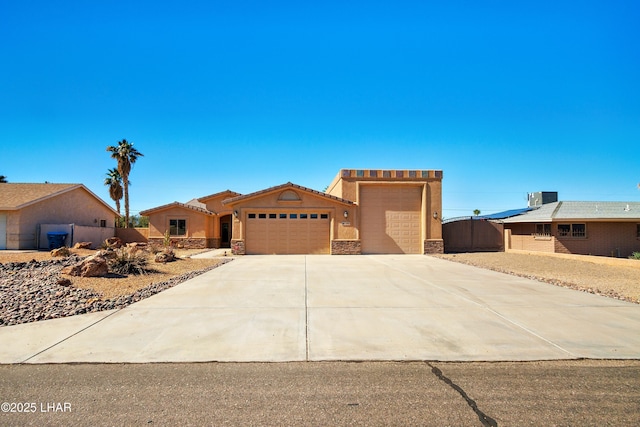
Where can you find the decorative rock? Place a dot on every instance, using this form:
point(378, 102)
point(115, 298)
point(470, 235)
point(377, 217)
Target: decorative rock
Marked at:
point(63, 281)
point(60, 252)
point(114, 242)
point(83, 245)
point(93, 266)
point(165, 256)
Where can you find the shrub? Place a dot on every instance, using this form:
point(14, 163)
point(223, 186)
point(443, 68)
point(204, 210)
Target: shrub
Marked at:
point(128, 262)
point(635, 255)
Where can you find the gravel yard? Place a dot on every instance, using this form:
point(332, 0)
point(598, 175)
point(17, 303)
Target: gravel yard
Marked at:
point(31, 290)
point(612, 277)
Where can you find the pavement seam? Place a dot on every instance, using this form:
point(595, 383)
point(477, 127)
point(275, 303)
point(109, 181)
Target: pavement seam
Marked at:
point(484, 306)
point(306, 311)
point(486, 420)
point(70, 336)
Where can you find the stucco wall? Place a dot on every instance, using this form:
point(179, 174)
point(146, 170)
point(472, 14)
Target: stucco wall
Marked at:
point(199, 225)
point(73, 207)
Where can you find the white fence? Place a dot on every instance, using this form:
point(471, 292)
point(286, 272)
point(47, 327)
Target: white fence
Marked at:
point(75, 233)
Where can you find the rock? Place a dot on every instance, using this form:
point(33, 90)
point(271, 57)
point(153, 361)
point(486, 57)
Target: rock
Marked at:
point(83, 245)
point(60, 252)
point(114, 242)
point(63, 281)
point(93, 266)
point(107, 253)
point(165, 256)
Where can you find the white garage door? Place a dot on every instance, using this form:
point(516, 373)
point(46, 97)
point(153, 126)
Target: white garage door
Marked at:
point(390, 219)
point(3, 231)
point(291, 232)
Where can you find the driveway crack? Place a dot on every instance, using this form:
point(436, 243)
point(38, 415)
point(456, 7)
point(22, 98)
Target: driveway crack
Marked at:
point(486, 420)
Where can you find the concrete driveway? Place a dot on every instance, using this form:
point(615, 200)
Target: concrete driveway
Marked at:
point(313, 308)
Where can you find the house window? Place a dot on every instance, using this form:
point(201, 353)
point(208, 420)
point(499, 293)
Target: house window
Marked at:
point(303, 216)
point(572, 230)
point(543, 230)
point(293, 216)
point(324, 216)
point(178, 227)
point(283, 216)
point(252, 215)
point(103, 223)
point(272, 216)
point(262, 216)
point(315, 216)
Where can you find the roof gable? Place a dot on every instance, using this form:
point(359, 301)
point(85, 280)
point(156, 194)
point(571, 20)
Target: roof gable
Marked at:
point(15, 196)
point(286, 196)
point(222, 195)
point(191, 207)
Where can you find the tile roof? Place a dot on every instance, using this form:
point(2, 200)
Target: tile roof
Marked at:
point(192, 207)
point(15, 196)
point(221, 193)
point(600, 211)
point(282, 187)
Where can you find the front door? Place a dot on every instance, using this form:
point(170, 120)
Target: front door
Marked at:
point(225, 231)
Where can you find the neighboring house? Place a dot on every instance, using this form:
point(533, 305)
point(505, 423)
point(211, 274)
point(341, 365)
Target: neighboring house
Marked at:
point(29, 211)
point(362, 211)
point(587, 228)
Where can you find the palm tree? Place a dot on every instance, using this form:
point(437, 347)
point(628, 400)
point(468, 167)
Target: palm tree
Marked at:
point(114, 181)
point(476, 212)
point(3, 179)
point(126, 156)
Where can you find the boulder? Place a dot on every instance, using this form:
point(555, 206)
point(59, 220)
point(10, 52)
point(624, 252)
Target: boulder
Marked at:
point(114, 242)
point(165, 256)
point(83, 245)
point(61, 252)
point(93, 266)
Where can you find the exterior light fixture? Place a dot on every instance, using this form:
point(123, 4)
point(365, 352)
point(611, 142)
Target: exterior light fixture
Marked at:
point(435, 215)
point(235, 214)
point(346, 214)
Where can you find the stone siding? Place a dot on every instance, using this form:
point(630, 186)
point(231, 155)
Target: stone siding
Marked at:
point(186, 243)
point(237, 247)
point(435, 246)
point(346, 247)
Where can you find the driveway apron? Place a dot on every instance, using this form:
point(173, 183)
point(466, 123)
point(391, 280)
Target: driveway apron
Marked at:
point(315, 307)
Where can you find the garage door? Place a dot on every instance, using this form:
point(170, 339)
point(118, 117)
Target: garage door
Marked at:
point(293, 232)
point(390, 219)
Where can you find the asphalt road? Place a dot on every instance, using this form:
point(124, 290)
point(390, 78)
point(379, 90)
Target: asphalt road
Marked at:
point(553, 393)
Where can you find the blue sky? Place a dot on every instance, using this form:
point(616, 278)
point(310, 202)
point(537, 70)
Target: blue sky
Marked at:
point(505, 97)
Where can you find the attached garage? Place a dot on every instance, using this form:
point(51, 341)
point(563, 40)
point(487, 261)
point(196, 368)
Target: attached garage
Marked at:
point(391, 218)
point(290, 232)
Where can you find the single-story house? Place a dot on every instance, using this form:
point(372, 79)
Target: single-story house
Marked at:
point(586, 228)
point(362, 211)
point(29, 211)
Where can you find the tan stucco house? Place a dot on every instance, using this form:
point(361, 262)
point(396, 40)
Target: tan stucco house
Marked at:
point(29, 211)
point(362, 211)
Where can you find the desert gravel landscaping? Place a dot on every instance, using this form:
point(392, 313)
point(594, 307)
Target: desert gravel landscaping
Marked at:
point(31, 288)
point(611, 277)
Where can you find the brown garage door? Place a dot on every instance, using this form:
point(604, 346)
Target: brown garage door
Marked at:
point(292, 232)
point(390, 219)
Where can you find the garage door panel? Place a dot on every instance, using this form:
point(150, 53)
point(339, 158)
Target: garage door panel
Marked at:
point(391, 219)
point(292, 234)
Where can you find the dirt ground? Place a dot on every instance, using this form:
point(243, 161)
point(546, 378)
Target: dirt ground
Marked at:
point(616, 278)
point(112, 287)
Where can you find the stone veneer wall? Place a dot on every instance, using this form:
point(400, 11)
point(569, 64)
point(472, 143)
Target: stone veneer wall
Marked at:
point(346, 247)
point(186, 243)
point(237, 247)
point(435, 246)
